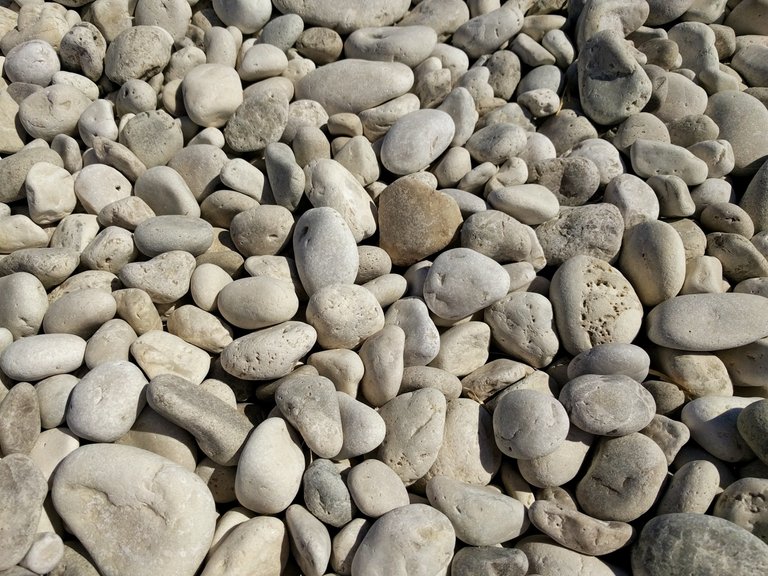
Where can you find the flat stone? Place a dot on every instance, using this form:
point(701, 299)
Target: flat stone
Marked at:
point(377, 82)
point(19, 420)
point(108, 510)
point(692, 322)
point(410, 45)
point(680, 542)
point(253, 303)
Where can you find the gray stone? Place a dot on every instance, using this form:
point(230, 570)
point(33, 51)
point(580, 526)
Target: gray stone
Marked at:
point(462, 281)
point(624, 478)
point(593, 230)
point(281, 347)
point(488, 561)
point(19, 420)
point(270, 469)
point(577, 531)
point(529, 424)
point(479, 515)
point(105, 507)
point(677, 543)
point(712, 421)
point(257, 122)
point(593, 304)
point(741, 118)
point(377, 82)
point(220, 430)
point(23, 489)
point(415, 424)
point(326, 495)
point(398, 152)
point(612, 85)
point(106, 401)
point(691, 322)
point(612, 359)
point(37, 357)
point(261, 541)
point(743, 503)
point(395, 544)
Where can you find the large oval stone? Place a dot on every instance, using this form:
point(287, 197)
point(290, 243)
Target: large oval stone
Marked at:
point(134, 511)
point(708, 322)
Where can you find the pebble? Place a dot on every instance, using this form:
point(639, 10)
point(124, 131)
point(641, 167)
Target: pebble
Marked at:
point(610, 98)
point(270, 469)
point(378, 82)
point(544, 554)
point(403, 208)
point(165, 277)
point(674, 324)
point(53, 397)
point(105, 403)
point(743, 503)
point(593, 304)
point(155, 433)
point(698, 542)
point(740, 117)
point(480, 516)
point(435, 126)
point(712, 421)
point(692, 489)
point(102, 505)
point(253, 303)
point(393, 544)
point(529, 424)
point(326, 495)
point(560, 241)
point(24, 489)
point(158, 352)
point(653, 259)
point(344, 315)
point(415, 423)
point(614, 405)
point(318, 264)
point(623, 479)
point(19, 420)
point(611, 359)
point(39, 356)
point(461, 282)
point(422, 339)
point(375, 488)
point(23, 304)
point(281, 346)
point(382, 356)
point(261, 541)
point(577, 531)
point(220, 430)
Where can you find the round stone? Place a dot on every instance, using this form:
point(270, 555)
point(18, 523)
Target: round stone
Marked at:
point(529, 424)
point(613, 405)
point(400, 153)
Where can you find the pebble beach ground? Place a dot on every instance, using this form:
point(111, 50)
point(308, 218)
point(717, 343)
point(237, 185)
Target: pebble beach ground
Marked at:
point(384, 287)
